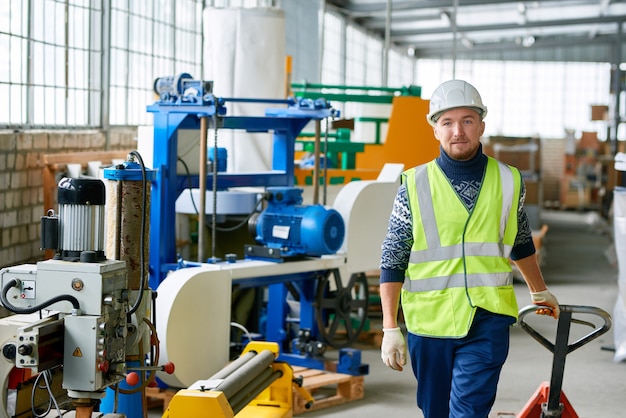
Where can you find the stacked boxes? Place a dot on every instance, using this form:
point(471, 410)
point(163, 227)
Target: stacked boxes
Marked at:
point(524, 153)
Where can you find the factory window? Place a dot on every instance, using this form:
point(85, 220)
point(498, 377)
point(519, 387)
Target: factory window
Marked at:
point(332, 51)
point(400, 69)
point(58, 63)
point(50, 49)
point(356, 48)
point(374, 57)
point(150, 40)
point(528, 98)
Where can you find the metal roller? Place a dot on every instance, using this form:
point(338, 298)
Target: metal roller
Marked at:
point(237, 363)
point(258, 385)
point(241, 377)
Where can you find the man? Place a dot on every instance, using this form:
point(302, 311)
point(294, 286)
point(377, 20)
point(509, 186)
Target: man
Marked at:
point(456, 222)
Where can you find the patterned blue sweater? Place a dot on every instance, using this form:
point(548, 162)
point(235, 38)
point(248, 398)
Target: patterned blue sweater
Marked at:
point(465, 177)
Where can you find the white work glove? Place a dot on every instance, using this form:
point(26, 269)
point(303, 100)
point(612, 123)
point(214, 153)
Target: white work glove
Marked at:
point(547, 299)
point(393, 348)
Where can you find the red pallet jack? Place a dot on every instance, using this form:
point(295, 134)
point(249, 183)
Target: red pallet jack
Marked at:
point(549, 400)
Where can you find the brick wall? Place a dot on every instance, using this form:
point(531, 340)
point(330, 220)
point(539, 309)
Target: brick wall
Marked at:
point(21, 182)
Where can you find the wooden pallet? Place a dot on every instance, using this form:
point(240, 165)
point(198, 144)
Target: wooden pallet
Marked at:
point(327, 388)
point(157, 397)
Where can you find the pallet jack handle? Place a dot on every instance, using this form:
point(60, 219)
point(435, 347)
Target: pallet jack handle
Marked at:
point(561, 348)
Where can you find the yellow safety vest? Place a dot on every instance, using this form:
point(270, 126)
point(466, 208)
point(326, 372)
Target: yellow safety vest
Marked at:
point(460, 259)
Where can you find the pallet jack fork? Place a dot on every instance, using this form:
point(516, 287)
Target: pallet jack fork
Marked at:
point(549, 400)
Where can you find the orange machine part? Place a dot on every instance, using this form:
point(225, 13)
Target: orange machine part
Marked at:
point(532, 409)
point(410, 139)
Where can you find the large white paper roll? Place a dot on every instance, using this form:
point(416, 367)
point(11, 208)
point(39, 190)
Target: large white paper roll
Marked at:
point(244, 55)
point(193, 323)
point(619, 312)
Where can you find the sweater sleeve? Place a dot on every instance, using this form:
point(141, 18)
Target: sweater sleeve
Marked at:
point(524, 245)
point(396, 247)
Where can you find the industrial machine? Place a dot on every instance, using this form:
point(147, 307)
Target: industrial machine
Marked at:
point(254, 385)
point(80, 327)
point(307, 260)
point(86, 325)
point(71, 319)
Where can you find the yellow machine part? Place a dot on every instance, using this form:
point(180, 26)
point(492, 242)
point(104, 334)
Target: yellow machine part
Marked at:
point(410, 139)
point(194, 403)
point(275, 401)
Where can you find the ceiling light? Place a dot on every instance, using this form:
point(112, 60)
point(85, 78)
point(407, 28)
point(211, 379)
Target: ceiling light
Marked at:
point(445, 17)
point(410, 51)
point(466, 42)
point(528, 41)
point(521, 14)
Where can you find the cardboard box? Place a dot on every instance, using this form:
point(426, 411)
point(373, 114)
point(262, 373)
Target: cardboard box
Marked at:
point(533, 192)
point(574, 193)
point(522, 153)
point(589, 141)
point(599, 112)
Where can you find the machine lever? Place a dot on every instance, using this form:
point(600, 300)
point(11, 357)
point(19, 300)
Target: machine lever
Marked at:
point(297, 384)
point(167, 368)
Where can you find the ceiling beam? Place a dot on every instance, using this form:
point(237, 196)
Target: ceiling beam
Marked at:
point(508, 26)
point(358, 8)
point(444, 49)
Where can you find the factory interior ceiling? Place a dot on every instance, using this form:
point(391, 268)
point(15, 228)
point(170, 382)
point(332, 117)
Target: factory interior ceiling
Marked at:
point(548, 30)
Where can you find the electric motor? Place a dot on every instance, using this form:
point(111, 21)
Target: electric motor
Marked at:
point(77, 233)
point(298, 229)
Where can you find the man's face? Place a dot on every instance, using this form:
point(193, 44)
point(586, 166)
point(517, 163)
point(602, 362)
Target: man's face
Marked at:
point(459, 131)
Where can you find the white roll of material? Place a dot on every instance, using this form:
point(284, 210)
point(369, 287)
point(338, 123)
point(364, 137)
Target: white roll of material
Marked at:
point(193, 323)
point(244, 55)
point(619, 311)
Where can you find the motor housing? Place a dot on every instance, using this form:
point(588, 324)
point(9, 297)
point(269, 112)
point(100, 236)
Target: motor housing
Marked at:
point(77, 232)
point(296, 229)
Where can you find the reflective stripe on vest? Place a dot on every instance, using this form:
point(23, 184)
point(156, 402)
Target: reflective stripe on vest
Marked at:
point(467, 259)
point(435, 251)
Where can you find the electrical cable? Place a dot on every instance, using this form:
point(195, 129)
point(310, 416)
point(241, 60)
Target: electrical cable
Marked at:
point(193, 202)
point(148, 378)
point(142, 244)
point(190, 188)
point(46, 375)
point(15, 283)
point(244, 329)
point(243, 222)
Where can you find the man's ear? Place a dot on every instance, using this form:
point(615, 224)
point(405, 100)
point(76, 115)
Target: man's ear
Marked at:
point(482, 128)
point(436, 134)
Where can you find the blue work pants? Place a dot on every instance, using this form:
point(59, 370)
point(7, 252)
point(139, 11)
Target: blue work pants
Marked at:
point(458, 378)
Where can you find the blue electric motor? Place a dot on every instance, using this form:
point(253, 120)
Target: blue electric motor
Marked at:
point(295, 229)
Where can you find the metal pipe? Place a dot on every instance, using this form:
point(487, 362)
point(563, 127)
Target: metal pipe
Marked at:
point(240, 361)
point(256, 386)
point(203, 174)
point(385, 72)
point(325, 189)
point(259, 387)
point(316, 164)
point(245, 374)
point(455, 36)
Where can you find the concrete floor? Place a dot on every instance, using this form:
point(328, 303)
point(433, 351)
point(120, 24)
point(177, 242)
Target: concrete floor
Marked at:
point(578, 267)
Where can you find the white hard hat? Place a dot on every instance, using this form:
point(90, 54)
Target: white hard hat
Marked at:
point(453, 94)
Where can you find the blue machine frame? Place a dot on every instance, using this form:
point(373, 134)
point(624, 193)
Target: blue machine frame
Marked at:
point(285, 123)
point(172, 113)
